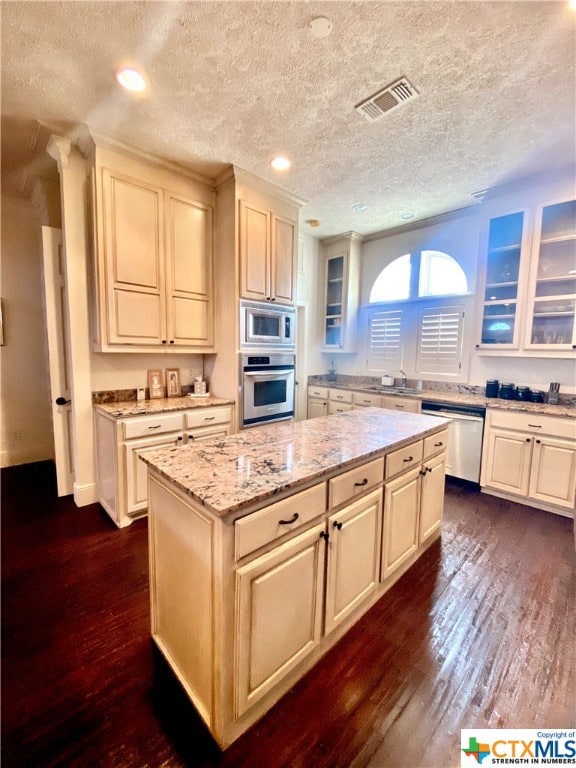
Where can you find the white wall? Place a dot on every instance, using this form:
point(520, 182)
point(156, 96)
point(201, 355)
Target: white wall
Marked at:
point(309, 333)
point(26, 414)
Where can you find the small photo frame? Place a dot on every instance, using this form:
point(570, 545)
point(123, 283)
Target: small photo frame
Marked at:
point(155, 385)
point(173, 388)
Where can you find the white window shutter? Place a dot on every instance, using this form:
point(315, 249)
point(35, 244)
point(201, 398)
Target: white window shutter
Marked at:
point(385, 340)
point(440, 335)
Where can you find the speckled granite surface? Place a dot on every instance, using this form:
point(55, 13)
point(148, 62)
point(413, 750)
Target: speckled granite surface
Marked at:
point(230, 475)
point(468, 395)
point(161, 405)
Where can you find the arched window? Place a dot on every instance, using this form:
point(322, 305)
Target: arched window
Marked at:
point(424, 274)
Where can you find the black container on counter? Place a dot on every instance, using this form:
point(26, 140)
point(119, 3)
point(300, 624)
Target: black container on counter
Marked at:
point(492, 388)
point(537, 396)
point(507, 391)
point(523, 393)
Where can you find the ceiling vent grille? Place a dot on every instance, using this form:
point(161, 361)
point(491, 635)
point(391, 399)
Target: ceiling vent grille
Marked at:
point(393, 96)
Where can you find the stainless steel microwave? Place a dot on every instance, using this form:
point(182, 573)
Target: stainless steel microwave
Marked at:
point(266, 326)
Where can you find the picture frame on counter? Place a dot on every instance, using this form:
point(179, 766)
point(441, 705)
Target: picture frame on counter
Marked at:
point(155, 385)
point(173, 387)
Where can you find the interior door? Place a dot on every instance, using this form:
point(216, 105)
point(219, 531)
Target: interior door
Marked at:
point(57, 331)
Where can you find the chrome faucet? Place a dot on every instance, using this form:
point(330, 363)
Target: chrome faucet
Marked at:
point(404, 379)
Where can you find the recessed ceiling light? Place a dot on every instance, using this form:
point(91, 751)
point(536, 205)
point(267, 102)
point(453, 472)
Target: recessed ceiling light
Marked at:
point(280, 163)
point(359, 207)
point(320, 26)
point(407, 215)
point(131, 79)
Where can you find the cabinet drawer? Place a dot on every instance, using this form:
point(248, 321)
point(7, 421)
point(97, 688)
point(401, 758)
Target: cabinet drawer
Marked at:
point(533, 423)
point(405, 458)
point(338, 407)
point(360, 398)
point(401, 404)
point(321, 392)
point(435, 443)
point(205, 417)
point(260, 528)
point(355, 482)
point(152, 425)
point(341, 395)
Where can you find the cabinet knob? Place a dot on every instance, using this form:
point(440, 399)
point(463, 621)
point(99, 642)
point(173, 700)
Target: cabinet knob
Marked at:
point(180, 439)
point(171, 341)
point(538, 441)
point(324, 535)
point(164, 341)
point(338, 525)
point(422, 472)
point(528, 439)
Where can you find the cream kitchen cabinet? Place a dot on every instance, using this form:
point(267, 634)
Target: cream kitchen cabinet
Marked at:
point(413, 499)
point(122, 476)
point(362, 400)
point(153, 258)
point(339, 400)
point(341, 290)
point(530, 458)
point(267, 255)
point(406, 404)
point(317, 401)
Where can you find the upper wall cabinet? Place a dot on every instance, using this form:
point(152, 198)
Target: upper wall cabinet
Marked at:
point(529, 282)
point(153, 258)
point(340, 293)
point(267, 255)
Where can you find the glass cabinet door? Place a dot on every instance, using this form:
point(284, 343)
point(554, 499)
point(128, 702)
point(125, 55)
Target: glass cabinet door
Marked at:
point(553, 286)
point(499, 320)
point(333, 319)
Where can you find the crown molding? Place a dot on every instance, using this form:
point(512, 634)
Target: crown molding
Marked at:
point(239, 175)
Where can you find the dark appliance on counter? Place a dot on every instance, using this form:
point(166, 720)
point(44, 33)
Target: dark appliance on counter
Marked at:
point(267, 388)
point(507, 391)
point(492, 386)
point(523, 393)
point(465, 433)
point(537, 396)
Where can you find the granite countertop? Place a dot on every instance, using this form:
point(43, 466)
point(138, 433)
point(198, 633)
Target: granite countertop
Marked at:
point(460, 398)
point(229, 475)
point(160, 405)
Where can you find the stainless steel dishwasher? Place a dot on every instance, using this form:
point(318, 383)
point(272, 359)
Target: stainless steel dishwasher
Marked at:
point(465, 433)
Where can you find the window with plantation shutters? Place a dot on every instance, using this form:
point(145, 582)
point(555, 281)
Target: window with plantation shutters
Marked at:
point(385, 340)
point(440, 336)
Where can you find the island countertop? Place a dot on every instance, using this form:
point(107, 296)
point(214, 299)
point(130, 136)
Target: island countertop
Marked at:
point(234, 473)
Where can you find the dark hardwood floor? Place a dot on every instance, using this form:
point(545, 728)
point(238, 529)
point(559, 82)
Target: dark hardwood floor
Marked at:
point(479, 633)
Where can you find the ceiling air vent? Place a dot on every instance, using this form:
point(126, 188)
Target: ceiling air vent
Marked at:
point(387, 99)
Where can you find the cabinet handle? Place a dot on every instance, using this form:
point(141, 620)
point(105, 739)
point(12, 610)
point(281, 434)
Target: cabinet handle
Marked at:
point(337, 525)
point(324, 535)
point(364, 482)
point(155, 426)
point(410, 458)
point(400, 407)
point(209, 418)
point(293, 519)
point(535, 426)
point(438, 445)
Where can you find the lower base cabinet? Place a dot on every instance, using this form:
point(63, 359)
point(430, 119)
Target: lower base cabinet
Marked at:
point(530, 458)
point(285, 582)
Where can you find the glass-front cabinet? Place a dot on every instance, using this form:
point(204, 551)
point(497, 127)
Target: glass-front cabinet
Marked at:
point(500, 320)
point(552, 294)
point(334, 301)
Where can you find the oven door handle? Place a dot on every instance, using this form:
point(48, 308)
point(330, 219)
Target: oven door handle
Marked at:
point(271, 375)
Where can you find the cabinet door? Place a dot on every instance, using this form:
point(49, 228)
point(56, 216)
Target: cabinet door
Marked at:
point(133, 261)
point(400, 532)
point(283, 260)
point(402, 404)
point(552, 311)
point(279, 614)
point(317, 408)
point(254, 252)
point(432, 496)
point(188, 272)
point(334, 302)
point(508, 461)
point(353, 556)
point(137, 471)
point(553, 475)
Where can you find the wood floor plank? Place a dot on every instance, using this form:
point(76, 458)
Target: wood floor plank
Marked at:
point(479, 633)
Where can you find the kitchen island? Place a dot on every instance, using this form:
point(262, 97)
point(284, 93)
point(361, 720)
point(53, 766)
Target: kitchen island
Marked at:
point(268, 545)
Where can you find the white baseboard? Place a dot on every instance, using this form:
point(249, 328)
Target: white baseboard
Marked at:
point(85, 494)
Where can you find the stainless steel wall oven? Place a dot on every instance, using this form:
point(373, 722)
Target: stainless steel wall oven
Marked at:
point(267, 388)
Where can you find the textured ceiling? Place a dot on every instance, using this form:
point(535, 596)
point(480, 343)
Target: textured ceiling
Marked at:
point(237, 82)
